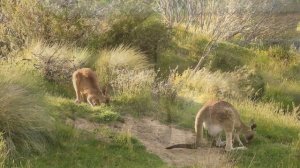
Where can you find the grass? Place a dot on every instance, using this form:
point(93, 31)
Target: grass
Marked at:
point(73, 147)
point(277, 140)
point(276, 143)
point(82, 149)
point(25, 122)
point(123, 58)
point(63, 108)
point(133, 81)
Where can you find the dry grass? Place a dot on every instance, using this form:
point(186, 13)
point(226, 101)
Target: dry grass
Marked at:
point(237, 84)
point(3, 152)
point(119, 60)
point(56, 62)
point(25, 125)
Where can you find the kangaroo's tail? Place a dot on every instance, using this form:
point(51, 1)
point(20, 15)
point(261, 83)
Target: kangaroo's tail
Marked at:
point(188, 146)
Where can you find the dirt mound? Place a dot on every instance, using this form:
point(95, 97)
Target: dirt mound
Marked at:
point(156, 137)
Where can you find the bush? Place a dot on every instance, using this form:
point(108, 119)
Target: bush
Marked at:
point(134, 88)
point(129, 74)
point(56, 62)
point(24, 122)
point(250, 82)
point(228, 57)
point(243, 83)
point(137, 25)
point(111, 62)
point(52, 21)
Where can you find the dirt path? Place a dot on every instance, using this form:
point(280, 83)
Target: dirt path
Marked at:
point(156, 136)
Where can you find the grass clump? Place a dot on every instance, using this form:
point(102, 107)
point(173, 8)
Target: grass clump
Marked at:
point(117, 59)
point(56, 62)
point(129, 74)
point(243, 82)
point(25, 124)
point(3, 152)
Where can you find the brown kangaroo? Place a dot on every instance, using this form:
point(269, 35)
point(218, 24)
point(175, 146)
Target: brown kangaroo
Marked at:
point(216, 116)
point(87, 89)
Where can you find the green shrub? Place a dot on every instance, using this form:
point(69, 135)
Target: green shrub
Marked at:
point(228, 57)
point(224, 63)
point(137, 28)
point(251, 82)
point(24, 122)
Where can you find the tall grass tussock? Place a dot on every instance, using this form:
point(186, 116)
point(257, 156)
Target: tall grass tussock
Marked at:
point(25, 125)
point(123, 58)
point(242, 83)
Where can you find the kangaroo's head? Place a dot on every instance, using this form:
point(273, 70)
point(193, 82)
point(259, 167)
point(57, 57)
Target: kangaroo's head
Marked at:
point(94, 100)
point(250, 131)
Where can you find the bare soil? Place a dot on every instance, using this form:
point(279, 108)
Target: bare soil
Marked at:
point(156, 136)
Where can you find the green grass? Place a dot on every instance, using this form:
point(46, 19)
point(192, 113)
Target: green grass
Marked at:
point(277, 143)
point(63, 108)
point(277, 140)
point(72, 147)
point(82, 149)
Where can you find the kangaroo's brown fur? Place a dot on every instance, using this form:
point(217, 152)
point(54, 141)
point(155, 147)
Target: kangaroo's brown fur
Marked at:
point(87, 89)
point(216, 116)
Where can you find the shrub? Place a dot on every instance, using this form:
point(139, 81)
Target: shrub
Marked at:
point(224, 63)
point(134, 88)
point(56, 62)
point(228, 57)
point(111, 62)
point(24, 122)
point(52, 21)
point(250, 82)
point(135, 24)
point(243, 83)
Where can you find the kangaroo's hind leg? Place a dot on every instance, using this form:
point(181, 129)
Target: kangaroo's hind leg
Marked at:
point(76, 84)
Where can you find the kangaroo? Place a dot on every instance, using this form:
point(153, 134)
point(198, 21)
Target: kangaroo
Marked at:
point(87, 89)
point(216, 116)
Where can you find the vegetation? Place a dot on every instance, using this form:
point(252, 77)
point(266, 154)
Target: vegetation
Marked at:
point(26, 126)
point(157, 62)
